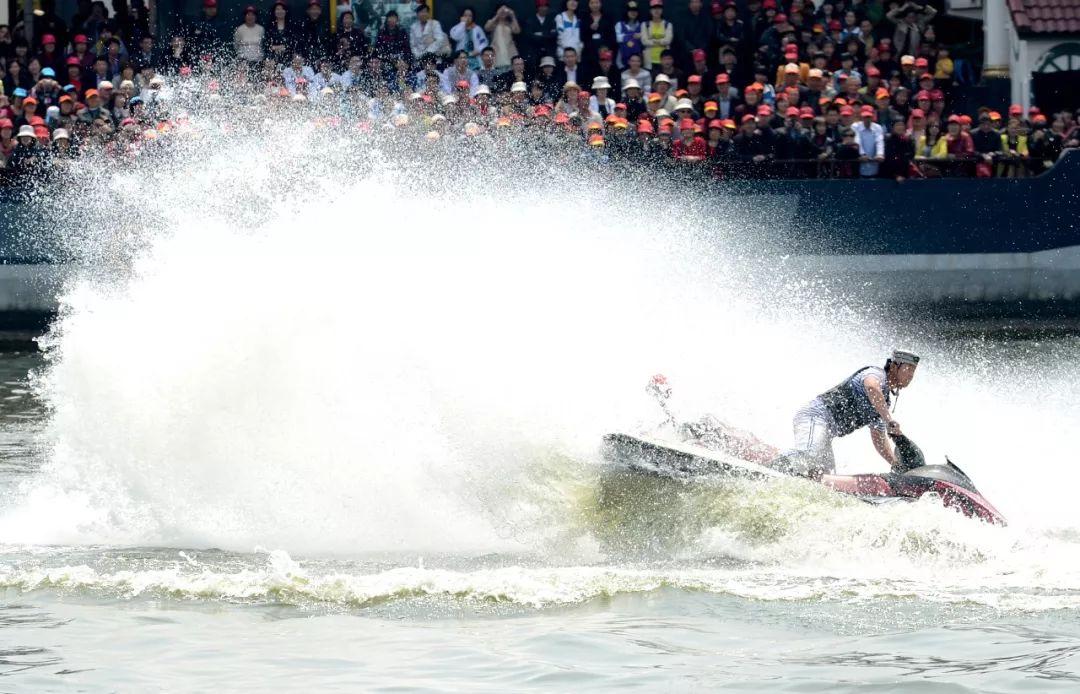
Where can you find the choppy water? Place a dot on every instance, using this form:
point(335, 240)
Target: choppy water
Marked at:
point(649, 585)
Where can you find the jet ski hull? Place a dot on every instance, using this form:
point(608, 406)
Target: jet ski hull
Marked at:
point(647, 455)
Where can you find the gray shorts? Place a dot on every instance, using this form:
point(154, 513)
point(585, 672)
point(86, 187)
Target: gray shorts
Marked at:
point(812, 454)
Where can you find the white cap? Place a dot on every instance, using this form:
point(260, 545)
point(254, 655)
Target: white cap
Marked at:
point(26, 131)
point(601, 83)
point(661, 112)
point(903, 356)
point(416, 96)
point(483, 89)
point(105, 84)
point(60, 134)
point(661, 78)
point(519, 87)
point(326, 91)
point(547, 61)
point(684, 103)
point(448, 99)
point(631, 84)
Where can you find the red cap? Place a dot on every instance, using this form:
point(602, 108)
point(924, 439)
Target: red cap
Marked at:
point(6, 123)
point(723, 78)
point(764, 110)
point(693, 79)
point(921, 62)
point(873, 72)
point(209, 3)
point(250, 9)
point(656, 3)
point(866, 111)
point(621, 106)
point(917, 113)
point(313, 2)
point(923, 95)
point(1016, 110)
point(462, 84)
point(73, 60)
point(698, 54)
point(834, 25)
point(185, 69)
point(965, 119)
point(47, 39)
point(686, 124)
point(710, 106)
point(66, 97)
point(748, 118)
point(1034, 110)
point(791, 49)
point(847, 111)
point(80, 38)
point(716, 124)
point(806, 112)
point(769, 5)
point(29, 100)
point(541, 3)
point(780, 18)
point(954, 119)
point(605, 54)
point(937, 95)
point(716, 8)
point(792, 112)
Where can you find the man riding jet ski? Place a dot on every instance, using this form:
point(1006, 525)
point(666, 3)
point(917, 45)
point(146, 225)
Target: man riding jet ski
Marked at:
point(708, 448)
point(860, 400)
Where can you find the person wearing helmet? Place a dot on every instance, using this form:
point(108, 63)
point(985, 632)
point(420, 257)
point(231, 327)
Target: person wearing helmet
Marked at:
point(862, 399)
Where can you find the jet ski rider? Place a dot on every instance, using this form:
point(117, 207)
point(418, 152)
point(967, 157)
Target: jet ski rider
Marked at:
point(862, 399)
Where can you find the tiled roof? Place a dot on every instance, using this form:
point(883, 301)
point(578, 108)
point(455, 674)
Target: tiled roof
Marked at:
point(1046, 16)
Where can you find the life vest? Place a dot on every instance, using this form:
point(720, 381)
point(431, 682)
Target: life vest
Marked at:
point(850, 409)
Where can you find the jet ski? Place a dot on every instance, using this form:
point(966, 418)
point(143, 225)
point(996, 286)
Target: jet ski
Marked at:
point(709, 448)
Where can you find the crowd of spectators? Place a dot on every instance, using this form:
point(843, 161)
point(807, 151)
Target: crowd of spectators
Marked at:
point(755, 88)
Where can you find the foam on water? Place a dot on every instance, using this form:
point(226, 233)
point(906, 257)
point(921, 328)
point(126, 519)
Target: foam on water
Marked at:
point(289, 344)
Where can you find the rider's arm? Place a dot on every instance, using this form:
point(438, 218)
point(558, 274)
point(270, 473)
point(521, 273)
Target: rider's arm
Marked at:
point(881, 443)
point(877, 399)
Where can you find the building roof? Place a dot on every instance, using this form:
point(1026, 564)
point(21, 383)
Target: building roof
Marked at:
point(1046, 16)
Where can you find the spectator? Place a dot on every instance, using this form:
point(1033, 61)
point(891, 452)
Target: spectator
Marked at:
point(487, 72)
point(911, 20)
point(569, 70)
point(392, 42)
point(730, 32)
point(899, 152)
point(468, 36)
point(312, 38)
point(279, 36)
point(207, 32)
point(503, 27)
point(598, 33)
point(871, 139)
point(696, 32)
point(297, 76)
point(357, 41)
point(568, 25)
point(628, 36)
point(426, 36)
point(248, 38)
point(636, 72)
point(657, 35)
point(540, 35)
point(459, 72)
